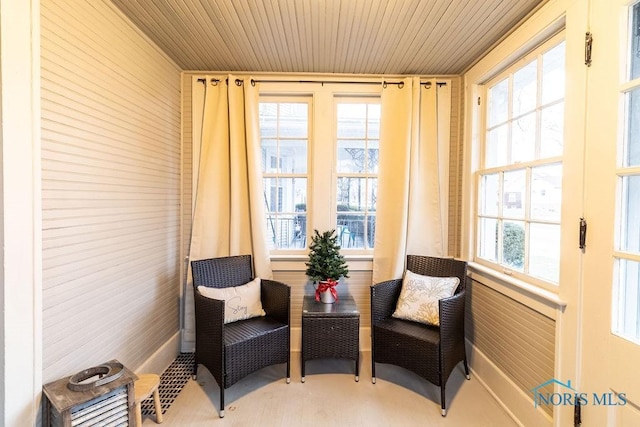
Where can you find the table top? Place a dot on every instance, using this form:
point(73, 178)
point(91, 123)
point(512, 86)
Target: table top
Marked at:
point(62, 398)
point(344, 307)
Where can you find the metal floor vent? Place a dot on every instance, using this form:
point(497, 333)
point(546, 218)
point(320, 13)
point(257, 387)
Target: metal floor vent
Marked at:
point(172, 381)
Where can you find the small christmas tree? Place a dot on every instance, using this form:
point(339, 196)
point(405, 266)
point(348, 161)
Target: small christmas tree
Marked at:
point(325, 260)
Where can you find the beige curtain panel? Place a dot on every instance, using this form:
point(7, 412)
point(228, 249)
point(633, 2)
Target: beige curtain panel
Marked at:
point(228, 216)
point(411, 216)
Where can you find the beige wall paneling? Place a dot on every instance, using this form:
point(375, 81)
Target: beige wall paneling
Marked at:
point(513, 345)
point(110, 189)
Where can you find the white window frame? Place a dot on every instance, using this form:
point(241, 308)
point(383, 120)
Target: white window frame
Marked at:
point(525, 59)
point(321, 190)
point(367, 175)
point(275, 175)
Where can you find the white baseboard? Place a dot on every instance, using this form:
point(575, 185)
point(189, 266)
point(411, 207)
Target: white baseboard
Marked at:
point(162, 358)
point(513, 400)
point(188, 345)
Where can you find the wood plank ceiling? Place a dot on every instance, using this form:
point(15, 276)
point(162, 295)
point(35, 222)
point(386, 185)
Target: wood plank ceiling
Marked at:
point(423, 37)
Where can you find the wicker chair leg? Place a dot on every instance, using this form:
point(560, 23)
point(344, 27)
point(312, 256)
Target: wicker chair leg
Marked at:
point(373, 369)
point(289, 370)
point(442, 401)
point(466, 369)
point(195, 370)
point(221, 401)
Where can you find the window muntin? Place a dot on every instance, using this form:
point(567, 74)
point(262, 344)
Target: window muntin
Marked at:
point(519, 185)
point(626, 282)
point(357, 158)
point(284, 135)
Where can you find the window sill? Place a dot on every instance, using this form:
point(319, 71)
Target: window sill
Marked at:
point(542, 300)
point(296, 262)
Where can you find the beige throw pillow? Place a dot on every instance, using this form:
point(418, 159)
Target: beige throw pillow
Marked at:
point(419, 297)
point(241, 302)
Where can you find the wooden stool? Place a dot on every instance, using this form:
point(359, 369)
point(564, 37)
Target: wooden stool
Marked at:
point(144, 386)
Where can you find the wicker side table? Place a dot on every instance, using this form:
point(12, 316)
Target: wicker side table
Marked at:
point(330, 331)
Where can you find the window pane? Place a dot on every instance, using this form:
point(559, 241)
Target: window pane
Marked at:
point(358, 133)
point(372, 194)
point(499, 103)
point(525, 89)
point(489, 194)
point(630, 209)
point(350, 231)
point(626, 318)
point(546, 192)
point(293, 120)
point(352, 120)
point(284, 232)
point(269, 157)
point(488, 242)
point(552, 131)
point(351, 156)
point(513, 244)
point(632, 138)
point(293, 156)
point(299, 240)
point(351, 194)
point(285, 194)
point(271, 195)
point(373, 124)
point(514, 199)
point(496, 152)
point(553, 74)
point(294, 193)
point(523, 139)
point(268, 112)
point(544, 251)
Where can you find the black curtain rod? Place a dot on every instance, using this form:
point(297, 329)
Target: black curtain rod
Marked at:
point(384, 83)
point(322, 82)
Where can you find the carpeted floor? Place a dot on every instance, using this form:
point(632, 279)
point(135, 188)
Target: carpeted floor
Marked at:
point(172, 381)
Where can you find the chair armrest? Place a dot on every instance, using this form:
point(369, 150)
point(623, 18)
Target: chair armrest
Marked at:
point(209, 315)
point(384, 297)
point(452, 317)
point(276, 300)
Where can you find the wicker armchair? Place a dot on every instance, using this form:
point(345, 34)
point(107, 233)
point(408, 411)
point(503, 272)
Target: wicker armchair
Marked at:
point(429, 351)
point(232, 351)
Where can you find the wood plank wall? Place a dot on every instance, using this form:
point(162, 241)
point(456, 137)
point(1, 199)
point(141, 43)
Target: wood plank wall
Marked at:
point(520, 341)
point(110, 186)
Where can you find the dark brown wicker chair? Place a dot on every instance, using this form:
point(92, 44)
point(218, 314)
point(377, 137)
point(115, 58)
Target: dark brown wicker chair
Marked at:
point(428, 351)
point(234, 350)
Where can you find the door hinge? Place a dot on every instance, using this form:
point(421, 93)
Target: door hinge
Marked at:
point(577, 414)
point(583, 233)
point(478, 100)
point(588, 44)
